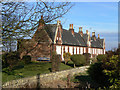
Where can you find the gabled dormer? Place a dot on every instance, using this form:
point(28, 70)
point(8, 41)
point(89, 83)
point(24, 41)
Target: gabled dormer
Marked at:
point(88, 39)
point(58, 33)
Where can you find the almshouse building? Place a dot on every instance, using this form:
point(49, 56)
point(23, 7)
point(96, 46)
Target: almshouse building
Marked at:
point(52, 37)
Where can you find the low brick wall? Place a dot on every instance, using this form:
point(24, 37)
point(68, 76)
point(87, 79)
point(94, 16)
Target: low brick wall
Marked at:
point(44, 78)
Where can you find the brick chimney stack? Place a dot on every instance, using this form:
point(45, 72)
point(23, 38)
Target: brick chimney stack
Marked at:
point(41, 16)
point(98, 36)
point(80, 31)
point(93, 34)
point(72, 26)
point(41, 22)
point(87, 32)
point(71, 29)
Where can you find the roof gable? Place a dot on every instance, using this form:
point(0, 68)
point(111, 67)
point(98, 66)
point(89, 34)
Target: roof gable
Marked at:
point(51, 30)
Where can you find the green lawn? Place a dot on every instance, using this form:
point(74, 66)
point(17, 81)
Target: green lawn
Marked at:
point(31, 69)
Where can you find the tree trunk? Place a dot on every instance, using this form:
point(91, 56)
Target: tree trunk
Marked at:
point(74, 66)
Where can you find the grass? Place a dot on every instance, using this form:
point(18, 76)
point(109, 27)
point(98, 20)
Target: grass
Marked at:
point(31, 69)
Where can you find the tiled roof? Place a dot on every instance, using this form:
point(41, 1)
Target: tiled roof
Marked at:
point(68, 38)
point(76, 39)
point(80, 39)
point(51, 29)
point(96, 42)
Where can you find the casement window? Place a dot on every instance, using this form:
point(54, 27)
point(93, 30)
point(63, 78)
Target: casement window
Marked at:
point(104, 51)
point(89, 50)
point(59, 38)
point(81, 50)
point(71, 50)
point(93, 50)
point(74, 50)
point(77, 50)
point(99, 51)
point(66, 48)
point(58, 49)
point(96, 51)
point(84, 50)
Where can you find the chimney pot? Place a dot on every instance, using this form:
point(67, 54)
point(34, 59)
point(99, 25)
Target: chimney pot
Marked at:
point(72, 26)
point(80, 28)
point(80, 31)
point(71, 29)
point(41, 16)
point(87, 32)
point(98, 36)
point(93, 34)
point(41, 21)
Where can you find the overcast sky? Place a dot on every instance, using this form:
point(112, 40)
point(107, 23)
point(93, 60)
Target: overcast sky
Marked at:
point(101, 17)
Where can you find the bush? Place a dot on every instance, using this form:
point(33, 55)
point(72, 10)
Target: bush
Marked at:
point(94, 60)
point(78, 59)
point(26, 59)
point(100, 58)
point(66, 57)
point(95, 71)
point(112, 69)
point(4, 60)
point(87, 56)
point(56, 60)
point(10, 59)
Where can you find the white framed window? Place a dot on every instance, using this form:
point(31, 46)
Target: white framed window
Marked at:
point(74, 50)
point(77, 50)
point(89, 50)
point(58, 49)
point(81, 50)
point(66, 48)
point(104, 51)
point(84, 50)
point(99, 51)
point(93, 50)
point(59, 38)
point(71, 50)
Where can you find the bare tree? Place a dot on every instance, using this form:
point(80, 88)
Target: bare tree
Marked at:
point(21, 19)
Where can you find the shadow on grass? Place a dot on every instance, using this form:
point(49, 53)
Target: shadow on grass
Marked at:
point(50, 69)
point(7, 71)
point(18, 67)
point(69, 64)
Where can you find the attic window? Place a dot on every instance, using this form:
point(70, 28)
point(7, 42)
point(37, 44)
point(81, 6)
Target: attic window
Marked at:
point(59, 38)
